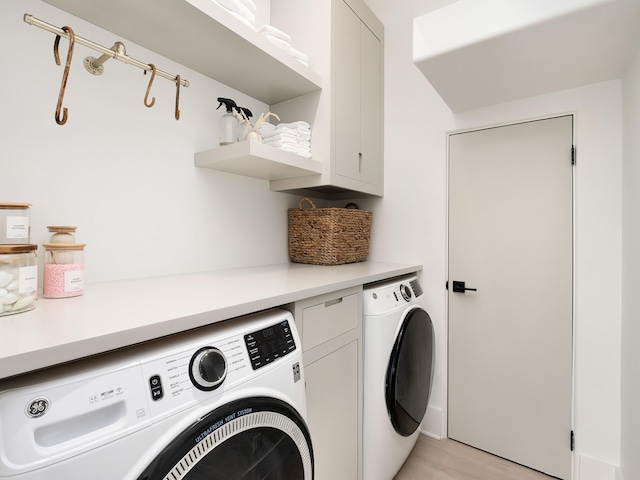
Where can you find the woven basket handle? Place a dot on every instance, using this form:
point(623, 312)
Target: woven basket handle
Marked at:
point(307, 199)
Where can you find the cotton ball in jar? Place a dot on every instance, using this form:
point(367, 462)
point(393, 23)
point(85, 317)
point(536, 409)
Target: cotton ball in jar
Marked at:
point(23, 302)
point(61, 257)
point(9, 299)
point(5, 278)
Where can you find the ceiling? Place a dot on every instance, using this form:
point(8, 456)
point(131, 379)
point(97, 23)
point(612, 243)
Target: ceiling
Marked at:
point(484, 52)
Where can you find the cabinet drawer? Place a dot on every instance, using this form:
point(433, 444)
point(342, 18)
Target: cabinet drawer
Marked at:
point(330, 319)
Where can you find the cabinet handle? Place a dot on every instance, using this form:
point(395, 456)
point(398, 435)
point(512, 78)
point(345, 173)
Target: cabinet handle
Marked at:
point(359, 162)
point(331, 303)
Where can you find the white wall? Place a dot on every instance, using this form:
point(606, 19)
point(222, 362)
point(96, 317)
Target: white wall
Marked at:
point(121, 172)
point(630, 460)
point(410, 223)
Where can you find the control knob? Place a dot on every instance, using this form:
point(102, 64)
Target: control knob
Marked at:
point(405, 291)
point(208, 368)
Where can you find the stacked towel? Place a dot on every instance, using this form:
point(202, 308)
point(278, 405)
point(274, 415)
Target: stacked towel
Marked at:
point(273, 32)
point(243, 10)
point(283, 41)
point(291, 137)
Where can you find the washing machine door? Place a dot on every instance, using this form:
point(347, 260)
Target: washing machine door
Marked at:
point(410, 372)
point(255, 438)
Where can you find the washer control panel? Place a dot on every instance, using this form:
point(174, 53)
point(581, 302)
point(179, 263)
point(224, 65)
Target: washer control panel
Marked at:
point(269, 344)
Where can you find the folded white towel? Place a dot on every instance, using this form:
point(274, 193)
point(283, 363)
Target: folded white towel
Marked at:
point(243, 20)
point(267, 125)
point(288, 142)
point(282, 143)
point(282, 136)
point(298, 55)
point(250, 5)
point(300, 125)
point(281, 131)
point(286, 148)
point(278, 42)
point(306, 64)
point(238, 7)
point(304, 152)
point(274, 32)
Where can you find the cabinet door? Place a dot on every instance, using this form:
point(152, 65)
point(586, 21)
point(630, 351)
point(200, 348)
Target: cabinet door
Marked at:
point(346, 84)
point(332, 413)
point(371, 107)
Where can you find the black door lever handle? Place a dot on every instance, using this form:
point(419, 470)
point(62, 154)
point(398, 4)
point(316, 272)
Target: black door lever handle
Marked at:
point(459, 287)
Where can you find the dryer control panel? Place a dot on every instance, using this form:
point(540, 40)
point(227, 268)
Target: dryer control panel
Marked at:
point(382, 298)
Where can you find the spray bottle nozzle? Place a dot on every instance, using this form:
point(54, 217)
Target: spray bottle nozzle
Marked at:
point(246, 111)
point(229, 104)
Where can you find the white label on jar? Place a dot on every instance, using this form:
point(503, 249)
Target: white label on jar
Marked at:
point(27, 279)
point(73, 280)
point(17, 227)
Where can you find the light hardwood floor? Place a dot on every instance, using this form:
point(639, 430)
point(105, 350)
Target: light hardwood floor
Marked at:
point(450, 460)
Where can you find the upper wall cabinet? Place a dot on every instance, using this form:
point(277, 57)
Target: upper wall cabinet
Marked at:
point(347, 41)
point(357, 110)
point(203, 36)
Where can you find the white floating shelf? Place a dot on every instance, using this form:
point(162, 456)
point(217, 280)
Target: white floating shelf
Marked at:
point(254, 159)
point(205, 37)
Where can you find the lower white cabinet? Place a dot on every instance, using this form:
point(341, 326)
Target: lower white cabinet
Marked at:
point(331, 331)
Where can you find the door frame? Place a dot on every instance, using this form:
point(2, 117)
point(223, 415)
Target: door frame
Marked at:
point(445, 406)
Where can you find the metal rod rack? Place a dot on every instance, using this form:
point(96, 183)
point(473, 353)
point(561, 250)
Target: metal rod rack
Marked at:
point(117, 51)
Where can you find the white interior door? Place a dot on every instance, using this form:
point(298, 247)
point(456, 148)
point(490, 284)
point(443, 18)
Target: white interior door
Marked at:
point(510, 340)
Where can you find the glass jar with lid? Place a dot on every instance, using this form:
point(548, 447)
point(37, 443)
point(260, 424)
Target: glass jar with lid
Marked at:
point(15, 223)
point(63, 274)
point(18, 278)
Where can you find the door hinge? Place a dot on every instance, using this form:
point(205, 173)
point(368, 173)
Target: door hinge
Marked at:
point(573, 441)
point(573, 154)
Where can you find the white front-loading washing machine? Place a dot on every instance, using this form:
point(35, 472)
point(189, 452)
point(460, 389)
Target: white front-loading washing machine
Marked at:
point(222, 402)
point(398, 372)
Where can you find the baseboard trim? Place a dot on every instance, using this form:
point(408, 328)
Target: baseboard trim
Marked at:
point(590, 468)
point(433, 423)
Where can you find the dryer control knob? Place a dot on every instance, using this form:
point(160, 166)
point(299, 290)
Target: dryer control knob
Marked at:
point(208, 368)
point(405, 291)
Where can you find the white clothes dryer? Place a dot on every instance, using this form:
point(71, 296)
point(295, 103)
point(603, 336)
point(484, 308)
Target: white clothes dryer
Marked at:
point(398, 372)
point(222, 402)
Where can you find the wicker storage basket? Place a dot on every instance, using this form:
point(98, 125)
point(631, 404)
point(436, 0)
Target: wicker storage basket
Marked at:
point(328, 236)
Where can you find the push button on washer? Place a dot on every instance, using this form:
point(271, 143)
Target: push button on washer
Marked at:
point(155, 384)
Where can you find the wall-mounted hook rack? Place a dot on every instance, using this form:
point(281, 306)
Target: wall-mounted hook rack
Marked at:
point(94, 65)
point(117, 52)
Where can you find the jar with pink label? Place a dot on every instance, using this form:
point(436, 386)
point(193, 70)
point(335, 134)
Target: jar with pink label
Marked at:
point(63, 274)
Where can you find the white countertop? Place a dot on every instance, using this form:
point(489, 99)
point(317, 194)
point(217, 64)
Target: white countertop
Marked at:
point(117, 314)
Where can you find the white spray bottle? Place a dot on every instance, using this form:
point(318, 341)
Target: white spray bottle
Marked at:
point(228, 122)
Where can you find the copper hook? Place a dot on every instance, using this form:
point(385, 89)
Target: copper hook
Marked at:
point(177, 97)
point(65, 75)
point(146, 96)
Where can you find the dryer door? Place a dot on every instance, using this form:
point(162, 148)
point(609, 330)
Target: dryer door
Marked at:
point(254, 438)
point(410, 372)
